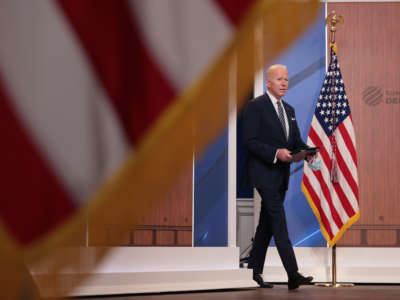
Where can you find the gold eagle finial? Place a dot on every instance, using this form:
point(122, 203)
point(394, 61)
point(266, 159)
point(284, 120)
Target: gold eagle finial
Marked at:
point(331, 21)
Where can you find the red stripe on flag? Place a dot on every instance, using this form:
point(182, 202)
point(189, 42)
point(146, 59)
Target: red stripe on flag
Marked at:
point(235, 9)
point(347, 174)
point(349, 143)
point(33, 201)
point(344, 200)
point(138, 89)
point(313, 135)
point(327, 194)
point(315, 199)
point(327, 161)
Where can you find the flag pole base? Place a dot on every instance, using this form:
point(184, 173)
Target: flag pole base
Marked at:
point(336, 285)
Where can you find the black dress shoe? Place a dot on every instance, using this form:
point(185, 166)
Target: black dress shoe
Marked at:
point(297, 279)
point(257, 278)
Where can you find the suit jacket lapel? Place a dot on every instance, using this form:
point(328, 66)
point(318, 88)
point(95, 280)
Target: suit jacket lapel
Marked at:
point(290, 118)
point(272, 113)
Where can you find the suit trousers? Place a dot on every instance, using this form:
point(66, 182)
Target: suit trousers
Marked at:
point(272, 223)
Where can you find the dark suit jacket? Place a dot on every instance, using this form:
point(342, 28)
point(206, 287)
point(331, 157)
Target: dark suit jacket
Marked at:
point(262, 137)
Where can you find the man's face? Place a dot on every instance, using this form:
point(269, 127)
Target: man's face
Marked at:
point(278, 82)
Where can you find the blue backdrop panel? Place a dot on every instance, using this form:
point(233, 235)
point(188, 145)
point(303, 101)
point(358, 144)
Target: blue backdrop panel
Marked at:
point(305, 61)
point(211, 195)
point(306, 64)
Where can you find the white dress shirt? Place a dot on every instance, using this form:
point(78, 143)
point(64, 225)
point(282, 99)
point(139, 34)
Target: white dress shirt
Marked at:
point(275, 104)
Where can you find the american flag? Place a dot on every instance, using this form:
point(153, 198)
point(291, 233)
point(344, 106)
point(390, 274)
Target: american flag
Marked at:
point(332, 191)
point(86, 84)
point(83, 84)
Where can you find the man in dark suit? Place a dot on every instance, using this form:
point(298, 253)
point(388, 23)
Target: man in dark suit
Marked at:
point(270, 133)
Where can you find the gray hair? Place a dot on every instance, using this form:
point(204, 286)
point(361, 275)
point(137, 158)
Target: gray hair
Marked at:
point(271, 69)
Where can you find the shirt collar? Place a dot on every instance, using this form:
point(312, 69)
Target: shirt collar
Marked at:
point(273, 99)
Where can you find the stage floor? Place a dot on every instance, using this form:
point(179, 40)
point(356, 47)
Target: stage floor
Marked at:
point(280, 291)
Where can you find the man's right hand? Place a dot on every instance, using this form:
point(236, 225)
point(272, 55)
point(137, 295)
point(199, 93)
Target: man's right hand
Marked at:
point(284, 155)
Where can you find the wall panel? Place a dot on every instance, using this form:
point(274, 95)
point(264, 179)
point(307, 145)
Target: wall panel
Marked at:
point(369, 56)
point(169, 223)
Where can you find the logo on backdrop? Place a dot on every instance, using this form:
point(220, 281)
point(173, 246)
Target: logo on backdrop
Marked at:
point(374, 95)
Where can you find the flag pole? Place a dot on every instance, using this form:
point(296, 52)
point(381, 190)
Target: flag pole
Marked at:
point(334, 282)
point(331, 21)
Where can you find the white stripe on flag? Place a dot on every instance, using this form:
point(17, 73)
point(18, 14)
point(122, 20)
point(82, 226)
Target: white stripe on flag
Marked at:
point(350, 130)
point(335, 199)
point(321, 134)
point(347, 191)
point(182, 35)
point(344, 151)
